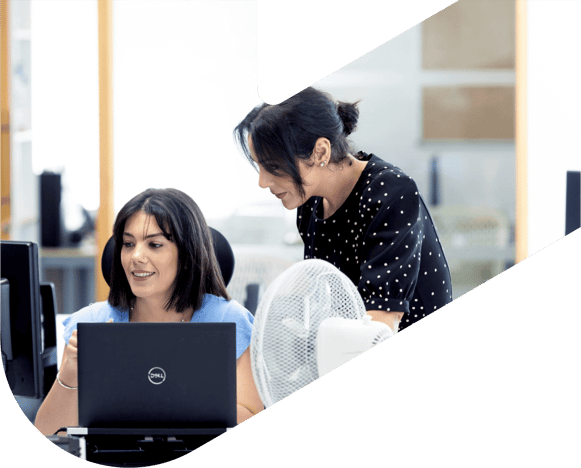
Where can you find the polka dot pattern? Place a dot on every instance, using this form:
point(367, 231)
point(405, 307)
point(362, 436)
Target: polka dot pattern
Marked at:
point(384, 240)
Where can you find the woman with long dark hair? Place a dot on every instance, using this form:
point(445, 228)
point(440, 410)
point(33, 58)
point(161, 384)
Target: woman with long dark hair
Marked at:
point(164, 270)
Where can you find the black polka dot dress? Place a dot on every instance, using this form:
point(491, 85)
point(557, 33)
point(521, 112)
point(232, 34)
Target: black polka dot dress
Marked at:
point(383, 238)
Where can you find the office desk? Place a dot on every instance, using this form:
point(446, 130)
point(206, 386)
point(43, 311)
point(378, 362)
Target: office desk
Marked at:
point(72, 270)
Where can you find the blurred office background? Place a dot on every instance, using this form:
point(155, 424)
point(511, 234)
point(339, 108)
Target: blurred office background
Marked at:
point(437, 100)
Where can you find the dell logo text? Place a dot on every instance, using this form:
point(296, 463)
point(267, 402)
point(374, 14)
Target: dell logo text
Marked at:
point(156, 375)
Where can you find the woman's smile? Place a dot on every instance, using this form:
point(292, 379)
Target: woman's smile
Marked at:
point(142, 275)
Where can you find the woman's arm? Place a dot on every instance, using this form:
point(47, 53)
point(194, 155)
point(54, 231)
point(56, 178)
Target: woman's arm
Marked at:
point(60, 407)
point(389, 318)
point(249, 402)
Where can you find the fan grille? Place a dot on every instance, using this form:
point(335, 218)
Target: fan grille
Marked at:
point(286, 322)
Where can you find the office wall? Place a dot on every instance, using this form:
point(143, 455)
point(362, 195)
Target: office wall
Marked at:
point(476, 169)
point(554, 117)
point(183, 77)
point(65, 95)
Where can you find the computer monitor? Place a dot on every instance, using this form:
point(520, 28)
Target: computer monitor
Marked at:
point(573, 203)
point(49, 312)
point(22, 331)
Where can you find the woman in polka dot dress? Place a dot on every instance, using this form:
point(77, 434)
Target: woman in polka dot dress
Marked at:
point(358, 212)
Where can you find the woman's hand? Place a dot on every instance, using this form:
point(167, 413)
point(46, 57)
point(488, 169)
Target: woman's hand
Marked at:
point(68, 373)
point(59, 408)
point(391, 319)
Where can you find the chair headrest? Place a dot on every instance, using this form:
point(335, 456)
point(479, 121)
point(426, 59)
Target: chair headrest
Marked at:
point(222, 250)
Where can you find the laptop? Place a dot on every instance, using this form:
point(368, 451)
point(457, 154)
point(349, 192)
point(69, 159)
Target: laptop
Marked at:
point(157, 375)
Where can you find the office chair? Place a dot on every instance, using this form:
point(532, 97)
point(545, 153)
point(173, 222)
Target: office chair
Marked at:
point(222, 249)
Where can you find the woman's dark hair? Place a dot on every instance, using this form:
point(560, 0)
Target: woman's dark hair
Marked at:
point(284, 132)
point(182, 222)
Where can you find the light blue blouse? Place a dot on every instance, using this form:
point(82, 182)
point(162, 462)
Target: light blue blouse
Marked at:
point(214, 309)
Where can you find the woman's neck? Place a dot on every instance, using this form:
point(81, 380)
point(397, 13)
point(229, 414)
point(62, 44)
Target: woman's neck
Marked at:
point(340, 183)
point(148, 310)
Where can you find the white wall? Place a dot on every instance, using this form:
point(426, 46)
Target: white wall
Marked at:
point(184, 74)
point(554, 114)
point(65, 94)
point(389, 81)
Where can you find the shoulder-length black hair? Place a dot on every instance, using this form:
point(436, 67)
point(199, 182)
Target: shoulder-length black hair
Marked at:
point(283, 133)
point(182, 222)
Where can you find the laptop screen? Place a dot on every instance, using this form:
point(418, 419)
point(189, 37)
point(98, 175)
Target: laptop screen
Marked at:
point(157, 375)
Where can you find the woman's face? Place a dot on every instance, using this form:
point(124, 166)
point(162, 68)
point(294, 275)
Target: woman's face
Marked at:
point(149, 259)
point(283, 187)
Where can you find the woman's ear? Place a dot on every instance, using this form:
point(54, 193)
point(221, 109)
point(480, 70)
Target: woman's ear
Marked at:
point(322, 152)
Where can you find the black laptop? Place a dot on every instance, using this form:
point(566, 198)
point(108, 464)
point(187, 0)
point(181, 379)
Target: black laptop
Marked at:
point(157, 375)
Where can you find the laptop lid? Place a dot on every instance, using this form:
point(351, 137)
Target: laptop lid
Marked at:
point(157, 375)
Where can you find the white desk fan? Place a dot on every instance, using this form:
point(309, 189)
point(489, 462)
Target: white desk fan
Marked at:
point(310, 320)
